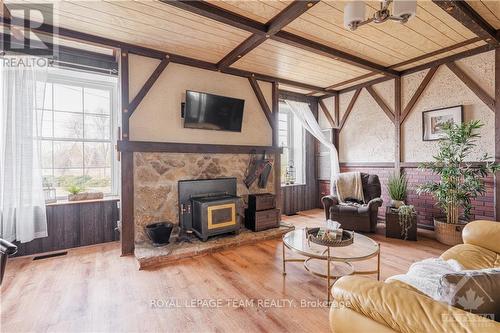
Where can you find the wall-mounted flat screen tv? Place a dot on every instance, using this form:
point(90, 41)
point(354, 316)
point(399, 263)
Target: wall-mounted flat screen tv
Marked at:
point(213, 112)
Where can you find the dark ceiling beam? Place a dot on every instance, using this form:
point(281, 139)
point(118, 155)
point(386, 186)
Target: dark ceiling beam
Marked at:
point(278, 22)
point(149, 52)
point(224, 16)
point(267, 78)
point(206, 9)
point(407, 62)
point(330, 52)
point(365, 84)
point(445, 60)
point(465, 14)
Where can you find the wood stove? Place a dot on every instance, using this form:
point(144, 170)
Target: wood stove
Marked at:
point(208, 207)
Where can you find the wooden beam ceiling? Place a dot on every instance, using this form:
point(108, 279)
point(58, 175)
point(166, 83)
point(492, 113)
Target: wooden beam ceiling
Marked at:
point(445, 60)
point(468, 17)
point(221, 15)
point(278, 22)
point(149, 52)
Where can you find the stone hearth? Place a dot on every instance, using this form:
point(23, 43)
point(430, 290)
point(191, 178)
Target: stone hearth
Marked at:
point(149, 256)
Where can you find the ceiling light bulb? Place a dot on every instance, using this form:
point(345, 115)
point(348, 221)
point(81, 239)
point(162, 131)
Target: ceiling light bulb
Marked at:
point(354, 13)
point(404, 9)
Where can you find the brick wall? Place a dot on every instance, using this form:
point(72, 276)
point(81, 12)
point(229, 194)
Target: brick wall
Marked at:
point(483, 207)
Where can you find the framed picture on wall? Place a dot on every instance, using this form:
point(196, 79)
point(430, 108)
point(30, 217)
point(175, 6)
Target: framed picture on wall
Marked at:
point(433, 121)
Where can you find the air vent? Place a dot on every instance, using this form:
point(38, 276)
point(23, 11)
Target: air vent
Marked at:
point(51, 255)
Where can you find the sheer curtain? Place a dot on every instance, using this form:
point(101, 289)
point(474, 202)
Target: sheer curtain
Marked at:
point(22, 202)
point(305, 116)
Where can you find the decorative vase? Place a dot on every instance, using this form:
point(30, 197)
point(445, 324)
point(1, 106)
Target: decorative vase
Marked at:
point(397, 203)
point(448, 233)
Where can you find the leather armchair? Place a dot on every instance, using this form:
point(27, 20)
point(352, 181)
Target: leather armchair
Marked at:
point(362, 218)
point(6, 249)
point(362, 304)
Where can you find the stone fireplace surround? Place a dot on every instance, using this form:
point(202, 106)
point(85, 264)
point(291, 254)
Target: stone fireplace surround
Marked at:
point(156, 176)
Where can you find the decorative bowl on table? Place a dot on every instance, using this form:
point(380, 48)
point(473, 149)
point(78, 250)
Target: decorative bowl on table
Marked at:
point(325, 237)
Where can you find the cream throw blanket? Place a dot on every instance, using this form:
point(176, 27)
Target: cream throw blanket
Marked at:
point(349, 185)
point(425, 275)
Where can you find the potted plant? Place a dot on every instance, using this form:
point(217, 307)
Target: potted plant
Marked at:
point(408, 221)
point(77, 193)
point(460, 181)
point(397, 186)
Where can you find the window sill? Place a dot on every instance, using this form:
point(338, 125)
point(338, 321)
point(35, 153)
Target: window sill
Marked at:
point(291, 185)
point(66, 202)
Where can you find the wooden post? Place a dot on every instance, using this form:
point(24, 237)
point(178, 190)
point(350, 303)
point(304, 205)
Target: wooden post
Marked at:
point(497, 131)
point(127, 166)
point(397, 124)
point(277, 154)
point(337, 121)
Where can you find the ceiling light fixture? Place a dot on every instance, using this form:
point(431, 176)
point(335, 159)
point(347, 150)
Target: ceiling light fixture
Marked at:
point(402, 11)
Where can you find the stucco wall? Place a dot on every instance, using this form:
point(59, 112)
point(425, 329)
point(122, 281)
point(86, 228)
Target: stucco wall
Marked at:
point(158, 116)
point(444, 90)
point(368, 135)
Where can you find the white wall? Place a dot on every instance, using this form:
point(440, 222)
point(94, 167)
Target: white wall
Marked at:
point(158, 116)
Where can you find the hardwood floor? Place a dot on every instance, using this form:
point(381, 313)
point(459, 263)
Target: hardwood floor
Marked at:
point(93, 289)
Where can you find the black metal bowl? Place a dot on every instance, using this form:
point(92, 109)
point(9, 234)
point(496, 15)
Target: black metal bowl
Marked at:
point(159, 233)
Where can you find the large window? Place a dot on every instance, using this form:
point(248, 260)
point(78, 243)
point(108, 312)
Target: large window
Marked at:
point(78, 129)
point(291, 139)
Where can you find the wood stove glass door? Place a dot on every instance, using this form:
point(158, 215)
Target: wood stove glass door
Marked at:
point(221, 216)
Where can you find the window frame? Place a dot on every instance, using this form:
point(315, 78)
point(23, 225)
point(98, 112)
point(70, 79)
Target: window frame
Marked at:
point(57, 78)
point(291, 122)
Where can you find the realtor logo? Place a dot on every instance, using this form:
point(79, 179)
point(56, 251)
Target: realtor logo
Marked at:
point(22, 26)
point(467, 293)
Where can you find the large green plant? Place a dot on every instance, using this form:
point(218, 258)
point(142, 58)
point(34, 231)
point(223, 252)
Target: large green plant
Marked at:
point(460, 180)
point(397, 186)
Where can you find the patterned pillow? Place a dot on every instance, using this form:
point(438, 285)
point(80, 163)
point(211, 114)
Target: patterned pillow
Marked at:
point(477, 291)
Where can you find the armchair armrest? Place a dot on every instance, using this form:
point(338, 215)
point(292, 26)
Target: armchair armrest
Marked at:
point(329, 201)
point(373, 204)
point(401, 309)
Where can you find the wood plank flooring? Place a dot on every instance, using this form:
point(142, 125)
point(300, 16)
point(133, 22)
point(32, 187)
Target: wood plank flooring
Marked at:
point(93, 289)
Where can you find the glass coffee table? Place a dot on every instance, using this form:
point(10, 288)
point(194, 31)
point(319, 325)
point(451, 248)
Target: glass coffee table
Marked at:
point(330, 262)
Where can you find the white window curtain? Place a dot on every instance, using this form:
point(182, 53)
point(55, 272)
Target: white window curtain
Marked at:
point(304, 114)
point(22, 203)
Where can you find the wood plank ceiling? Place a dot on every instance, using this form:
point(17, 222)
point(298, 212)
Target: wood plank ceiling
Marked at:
point(390, 46)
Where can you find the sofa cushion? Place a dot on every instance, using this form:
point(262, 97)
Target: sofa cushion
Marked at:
point(483, 234)
point(475, 291)
point(349, 210)
point(472, 256)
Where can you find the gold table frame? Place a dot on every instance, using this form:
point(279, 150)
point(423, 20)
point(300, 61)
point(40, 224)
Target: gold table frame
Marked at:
point(326, 256)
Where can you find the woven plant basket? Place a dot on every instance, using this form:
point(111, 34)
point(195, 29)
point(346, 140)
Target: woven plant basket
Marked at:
point(448, 233)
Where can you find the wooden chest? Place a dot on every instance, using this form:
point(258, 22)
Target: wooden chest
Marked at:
point(262, 220)
point(261, 201)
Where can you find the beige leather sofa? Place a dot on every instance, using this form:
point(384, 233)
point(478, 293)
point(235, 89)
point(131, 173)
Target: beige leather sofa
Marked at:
point(362, 304)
